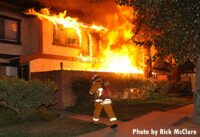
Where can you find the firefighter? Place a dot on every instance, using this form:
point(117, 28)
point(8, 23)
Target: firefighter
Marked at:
point(102, 100)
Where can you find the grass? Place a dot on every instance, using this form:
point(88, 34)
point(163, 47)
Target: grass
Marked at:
point(10, 117)
point(60, 127)
point(42, 123)
point(130, 109)
point(45, 123)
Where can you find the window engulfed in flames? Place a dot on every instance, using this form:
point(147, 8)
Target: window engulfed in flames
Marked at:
point(117, 52)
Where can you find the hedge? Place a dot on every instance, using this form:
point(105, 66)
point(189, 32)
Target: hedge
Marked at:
point(26, 96)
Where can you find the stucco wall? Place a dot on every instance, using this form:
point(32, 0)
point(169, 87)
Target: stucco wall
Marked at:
point(42, 65)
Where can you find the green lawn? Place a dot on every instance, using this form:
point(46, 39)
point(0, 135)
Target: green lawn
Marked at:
point(43, 123)
point(60, 127)
point(10, 117)
point(49, 124)
point(130, 109)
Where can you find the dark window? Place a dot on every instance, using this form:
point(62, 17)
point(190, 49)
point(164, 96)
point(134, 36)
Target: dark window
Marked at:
point(9, 30)
point(66, 37)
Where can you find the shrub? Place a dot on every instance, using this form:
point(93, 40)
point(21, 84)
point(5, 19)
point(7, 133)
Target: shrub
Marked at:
point(25, 96)
point(81, 89)
point(121, 89)
point(182, 88)
point(163, 87)
point(132, 88)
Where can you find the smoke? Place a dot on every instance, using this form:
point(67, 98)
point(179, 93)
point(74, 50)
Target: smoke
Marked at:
point(115, 18)
point(89, 11)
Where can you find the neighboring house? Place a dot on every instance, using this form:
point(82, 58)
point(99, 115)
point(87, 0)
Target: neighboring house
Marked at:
point(14, 40)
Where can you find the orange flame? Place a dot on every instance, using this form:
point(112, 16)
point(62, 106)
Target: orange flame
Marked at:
point(62, 19)
point(117, 52)
point(120, 61)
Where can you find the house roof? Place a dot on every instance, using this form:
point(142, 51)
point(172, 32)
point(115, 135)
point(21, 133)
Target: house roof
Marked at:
point(11, 7)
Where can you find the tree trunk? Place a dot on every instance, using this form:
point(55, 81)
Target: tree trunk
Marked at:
point(197, 94)
point(147, 62)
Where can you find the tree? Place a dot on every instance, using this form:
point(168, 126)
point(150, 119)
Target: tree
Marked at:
point(178, 24)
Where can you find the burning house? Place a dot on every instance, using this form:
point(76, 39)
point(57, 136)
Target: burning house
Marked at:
point(62, 45)
point(94, 46)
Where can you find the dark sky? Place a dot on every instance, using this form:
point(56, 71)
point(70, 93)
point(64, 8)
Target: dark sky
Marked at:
point(89, 11)
point(24, 3)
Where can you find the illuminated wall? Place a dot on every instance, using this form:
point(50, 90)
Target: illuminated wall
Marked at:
point(41, 65)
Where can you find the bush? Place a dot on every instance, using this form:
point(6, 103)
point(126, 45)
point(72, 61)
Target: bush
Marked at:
point(132, 88)
point(182, 88)
point(25, 96)
point(81, 89)
point(121, 89)
point(9, 116)
point(173, 89)
point(126, 91)
point(164, 87)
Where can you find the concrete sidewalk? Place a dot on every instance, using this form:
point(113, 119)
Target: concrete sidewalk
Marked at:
point(87, 118)
point(166, 124)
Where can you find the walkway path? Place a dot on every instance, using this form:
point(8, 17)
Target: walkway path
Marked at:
point(87, 118)
point(166, 123)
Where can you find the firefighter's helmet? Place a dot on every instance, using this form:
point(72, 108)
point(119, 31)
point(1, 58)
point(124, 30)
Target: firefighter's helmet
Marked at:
point(96, 78)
